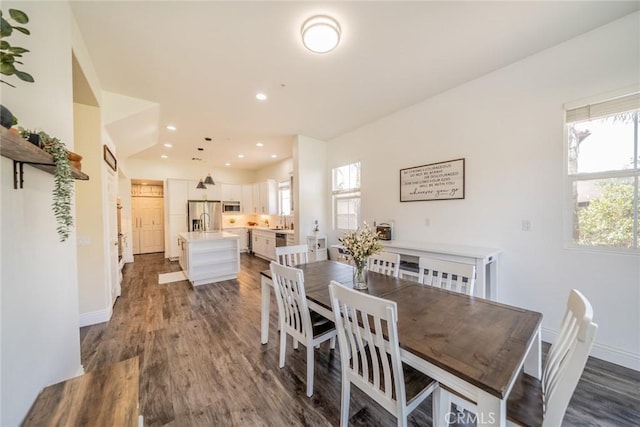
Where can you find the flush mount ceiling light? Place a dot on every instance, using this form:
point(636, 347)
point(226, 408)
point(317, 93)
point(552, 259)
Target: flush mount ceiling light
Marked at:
point(320, 34)
point(171, 127)
point(261, 96)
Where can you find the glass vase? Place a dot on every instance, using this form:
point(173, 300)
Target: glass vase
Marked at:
point(360, 275)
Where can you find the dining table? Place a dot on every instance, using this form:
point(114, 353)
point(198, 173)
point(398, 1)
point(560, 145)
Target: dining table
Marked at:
point(473, 346)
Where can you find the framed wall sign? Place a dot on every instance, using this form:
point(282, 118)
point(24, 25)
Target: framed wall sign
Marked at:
point(110, 159)
point(435, 181)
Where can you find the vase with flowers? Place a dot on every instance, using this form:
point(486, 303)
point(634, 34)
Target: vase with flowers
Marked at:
point(360, 244)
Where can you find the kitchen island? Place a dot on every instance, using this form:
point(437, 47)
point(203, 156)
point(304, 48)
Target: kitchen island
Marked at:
point(209, 257)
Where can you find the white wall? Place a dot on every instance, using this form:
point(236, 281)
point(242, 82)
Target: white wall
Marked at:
point(145, 169)
point(40, 342)
point(279, 171)
point(310, 177)
point(509, 127)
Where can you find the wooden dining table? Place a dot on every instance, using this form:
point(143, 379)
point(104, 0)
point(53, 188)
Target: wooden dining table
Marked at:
point(473, 346)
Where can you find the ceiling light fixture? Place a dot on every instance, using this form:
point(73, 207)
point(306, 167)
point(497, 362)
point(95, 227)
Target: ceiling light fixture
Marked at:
point(259, 144)
point(168, 145)
point(227, 164)
point(201, 186)
point(171, 127)
point(273, 156)
point(261, 96)
point(241, 156)
point(320, 34)
point(164, 156)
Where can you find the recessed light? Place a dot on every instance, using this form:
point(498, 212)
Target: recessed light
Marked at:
point(164, 156)
point(273, 156)
point(241, 156)
point(168, 145)
point(259, 144)
point(227, 164)
point(261, 96)
point(171, 127)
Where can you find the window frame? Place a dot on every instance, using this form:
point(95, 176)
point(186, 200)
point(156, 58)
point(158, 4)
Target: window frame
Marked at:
point(344, 194)
point(570, 179)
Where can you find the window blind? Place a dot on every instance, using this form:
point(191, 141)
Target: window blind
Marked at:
point(605, 108)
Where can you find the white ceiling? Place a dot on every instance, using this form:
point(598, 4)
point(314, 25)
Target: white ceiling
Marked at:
point(198, 65)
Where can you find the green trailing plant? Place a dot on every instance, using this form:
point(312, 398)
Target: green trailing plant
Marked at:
point(10, 56)
point(63, 181)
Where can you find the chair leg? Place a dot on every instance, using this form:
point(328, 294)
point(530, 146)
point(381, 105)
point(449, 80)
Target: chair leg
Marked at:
point(310, 369)
point(441, 408)
point(332, 343)
point(283, 346)
point(346, 396)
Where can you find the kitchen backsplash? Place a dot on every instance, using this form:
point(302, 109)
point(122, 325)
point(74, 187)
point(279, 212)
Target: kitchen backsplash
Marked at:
point(272, 221)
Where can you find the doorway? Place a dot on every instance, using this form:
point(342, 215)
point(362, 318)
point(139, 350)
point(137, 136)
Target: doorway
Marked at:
point(147, 216)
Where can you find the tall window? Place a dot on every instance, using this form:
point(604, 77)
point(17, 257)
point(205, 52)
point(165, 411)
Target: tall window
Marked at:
point(284, 197)
point(346, 196)
point(603, 171)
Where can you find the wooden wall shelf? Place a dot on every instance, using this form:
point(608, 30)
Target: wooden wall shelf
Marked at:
point(23, 152)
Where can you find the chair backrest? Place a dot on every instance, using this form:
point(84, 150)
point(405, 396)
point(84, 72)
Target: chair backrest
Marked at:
point(292, 255)
point(294, 317)
point(384, 262)
point(453, 276)
point(368, 360)
point(567, 358)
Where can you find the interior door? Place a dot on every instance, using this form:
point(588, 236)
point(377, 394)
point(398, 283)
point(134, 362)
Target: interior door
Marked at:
point(148, 225)
point(115, 275)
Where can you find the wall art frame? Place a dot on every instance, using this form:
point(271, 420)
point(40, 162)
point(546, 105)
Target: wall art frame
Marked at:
point(433, 181)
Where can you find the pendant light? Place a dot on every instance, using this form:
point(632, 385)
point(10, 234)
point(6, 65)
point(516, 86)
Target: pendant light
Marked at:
point(208, 180)
point(201, 186)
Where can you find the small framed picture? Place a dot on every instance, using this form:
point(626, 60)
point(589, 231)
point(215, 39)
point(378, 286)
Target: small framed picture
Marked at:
point(110, 159)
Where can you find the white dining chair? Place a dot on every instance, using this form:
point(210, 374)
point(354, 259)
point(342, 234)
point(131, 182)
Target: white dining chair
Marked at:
point(295, 318)
point(544, 402)
point(292, 255)
point(370, 353)
point(453, 276)
point(384, 262)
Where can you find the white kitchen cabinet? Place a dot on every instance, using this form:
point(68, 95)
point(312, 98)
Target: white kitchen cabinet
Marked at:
point(246, 204)
point(264, 244)
point(177, 224)
point(183, 254)
point(266, 199)
point(177, 195)
point(231, 192)
point(244, 237)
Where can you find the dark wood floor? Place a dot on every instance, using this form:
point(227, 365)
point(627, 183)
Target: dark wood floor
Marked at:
point(202, 364)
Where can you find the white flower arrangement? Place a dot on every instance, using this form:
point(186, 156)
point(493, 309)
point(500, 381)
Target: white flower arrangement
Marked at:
point(361, 243)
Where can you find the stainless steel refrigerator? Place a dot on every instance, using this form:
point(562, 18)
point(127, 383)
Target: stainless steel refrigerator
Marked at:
point(204, 215)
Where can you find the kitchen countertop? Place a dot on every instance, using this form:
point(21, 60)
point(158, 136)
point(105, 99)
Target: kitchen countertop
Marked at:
point(195, 236)
point(272, 229)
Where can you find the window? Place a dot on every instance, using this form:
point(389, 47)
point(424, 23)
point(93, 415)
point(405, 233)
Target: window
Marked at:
point(346, 196)
point(284, 197)
point(603, 171)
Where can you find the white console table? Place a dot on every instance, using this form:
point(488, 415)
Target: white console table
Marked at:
point(485, 259)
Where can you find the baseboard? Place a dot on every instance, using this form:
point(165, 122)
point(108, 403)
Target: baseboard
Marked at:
point(95, 317)
point(604, 352)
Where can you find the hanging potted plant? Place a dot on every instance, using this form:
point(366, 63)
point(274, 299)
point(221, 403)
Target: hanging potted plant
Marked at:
point(62, 183)
point(10, 56)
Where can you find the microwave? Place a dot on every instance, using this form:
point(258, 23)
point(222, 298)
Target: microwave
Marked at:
point(230, 207)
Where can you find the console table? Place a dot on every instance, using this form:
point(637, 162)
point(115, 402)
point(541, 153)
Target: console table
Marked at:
point(485, 259)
